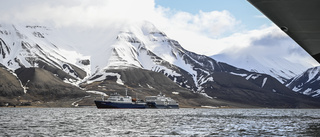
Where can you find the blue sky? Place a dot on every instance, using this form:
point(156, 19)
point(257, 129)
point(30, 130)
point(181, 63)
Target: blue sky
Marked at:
point(242, 10)
point(250, 34)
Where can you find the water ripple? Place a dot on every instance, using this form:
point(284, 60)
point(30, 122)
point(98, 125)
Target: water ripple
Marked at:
point(156, 122)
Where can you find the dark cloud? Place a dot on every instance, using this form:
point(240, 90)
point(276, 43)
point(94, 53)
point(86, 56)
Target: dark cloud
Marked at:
point(270, 40)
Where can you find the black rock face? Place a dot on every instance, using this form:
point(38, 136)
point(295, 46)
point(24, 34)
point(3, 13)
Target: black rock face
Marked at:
point(44, 85)
point(10, 85)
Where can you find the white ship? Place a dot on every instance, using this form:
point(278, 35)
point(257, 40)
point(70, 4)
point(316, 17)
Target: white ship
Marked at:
point(162, 102)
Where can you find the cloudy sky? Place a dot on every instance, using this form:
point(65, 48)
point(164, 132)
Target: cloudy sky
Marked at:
point(206, 27)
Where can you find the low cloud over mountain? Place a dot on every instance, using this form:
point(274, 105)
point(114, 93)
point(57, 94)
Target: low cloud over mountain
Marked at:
point(54, 63)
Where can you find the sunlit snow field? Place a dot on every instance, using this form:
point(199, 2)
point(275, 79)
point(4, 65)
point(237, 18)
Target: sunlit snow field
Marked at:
point(158, 122)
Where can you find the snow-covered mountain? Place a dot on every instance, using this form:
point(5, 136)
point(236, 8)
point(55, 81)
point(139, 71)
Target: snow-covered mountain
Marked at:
point(307, 83)
point(277, 67)
point(90, 58)
point(148, 48)
point(33, 46)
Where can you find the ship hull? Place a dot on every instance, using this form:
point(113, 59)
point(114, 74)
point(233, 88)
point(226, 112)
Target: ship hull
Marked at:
point(108, 105)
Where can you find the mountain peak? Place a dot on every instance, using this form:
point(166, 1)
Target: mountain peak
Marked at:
point(89, 56)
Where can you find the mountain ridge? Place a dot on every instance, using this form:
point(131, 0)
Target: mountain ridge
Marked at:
point(141, 47)
point(277, 67)
point(306, 83)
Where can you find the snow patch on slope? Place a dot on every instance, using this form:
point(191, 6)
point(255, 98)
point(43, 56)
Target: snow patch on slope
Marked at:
point(103, 76)
point(264, 82)
point(317, 93)
point(97, 92)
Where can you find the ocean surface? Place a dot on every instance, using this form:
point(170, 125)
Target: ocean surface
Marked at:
point(158, 122)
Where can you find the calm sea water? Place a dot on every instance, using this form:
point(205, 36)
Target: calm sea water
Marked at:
point(158, 122)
